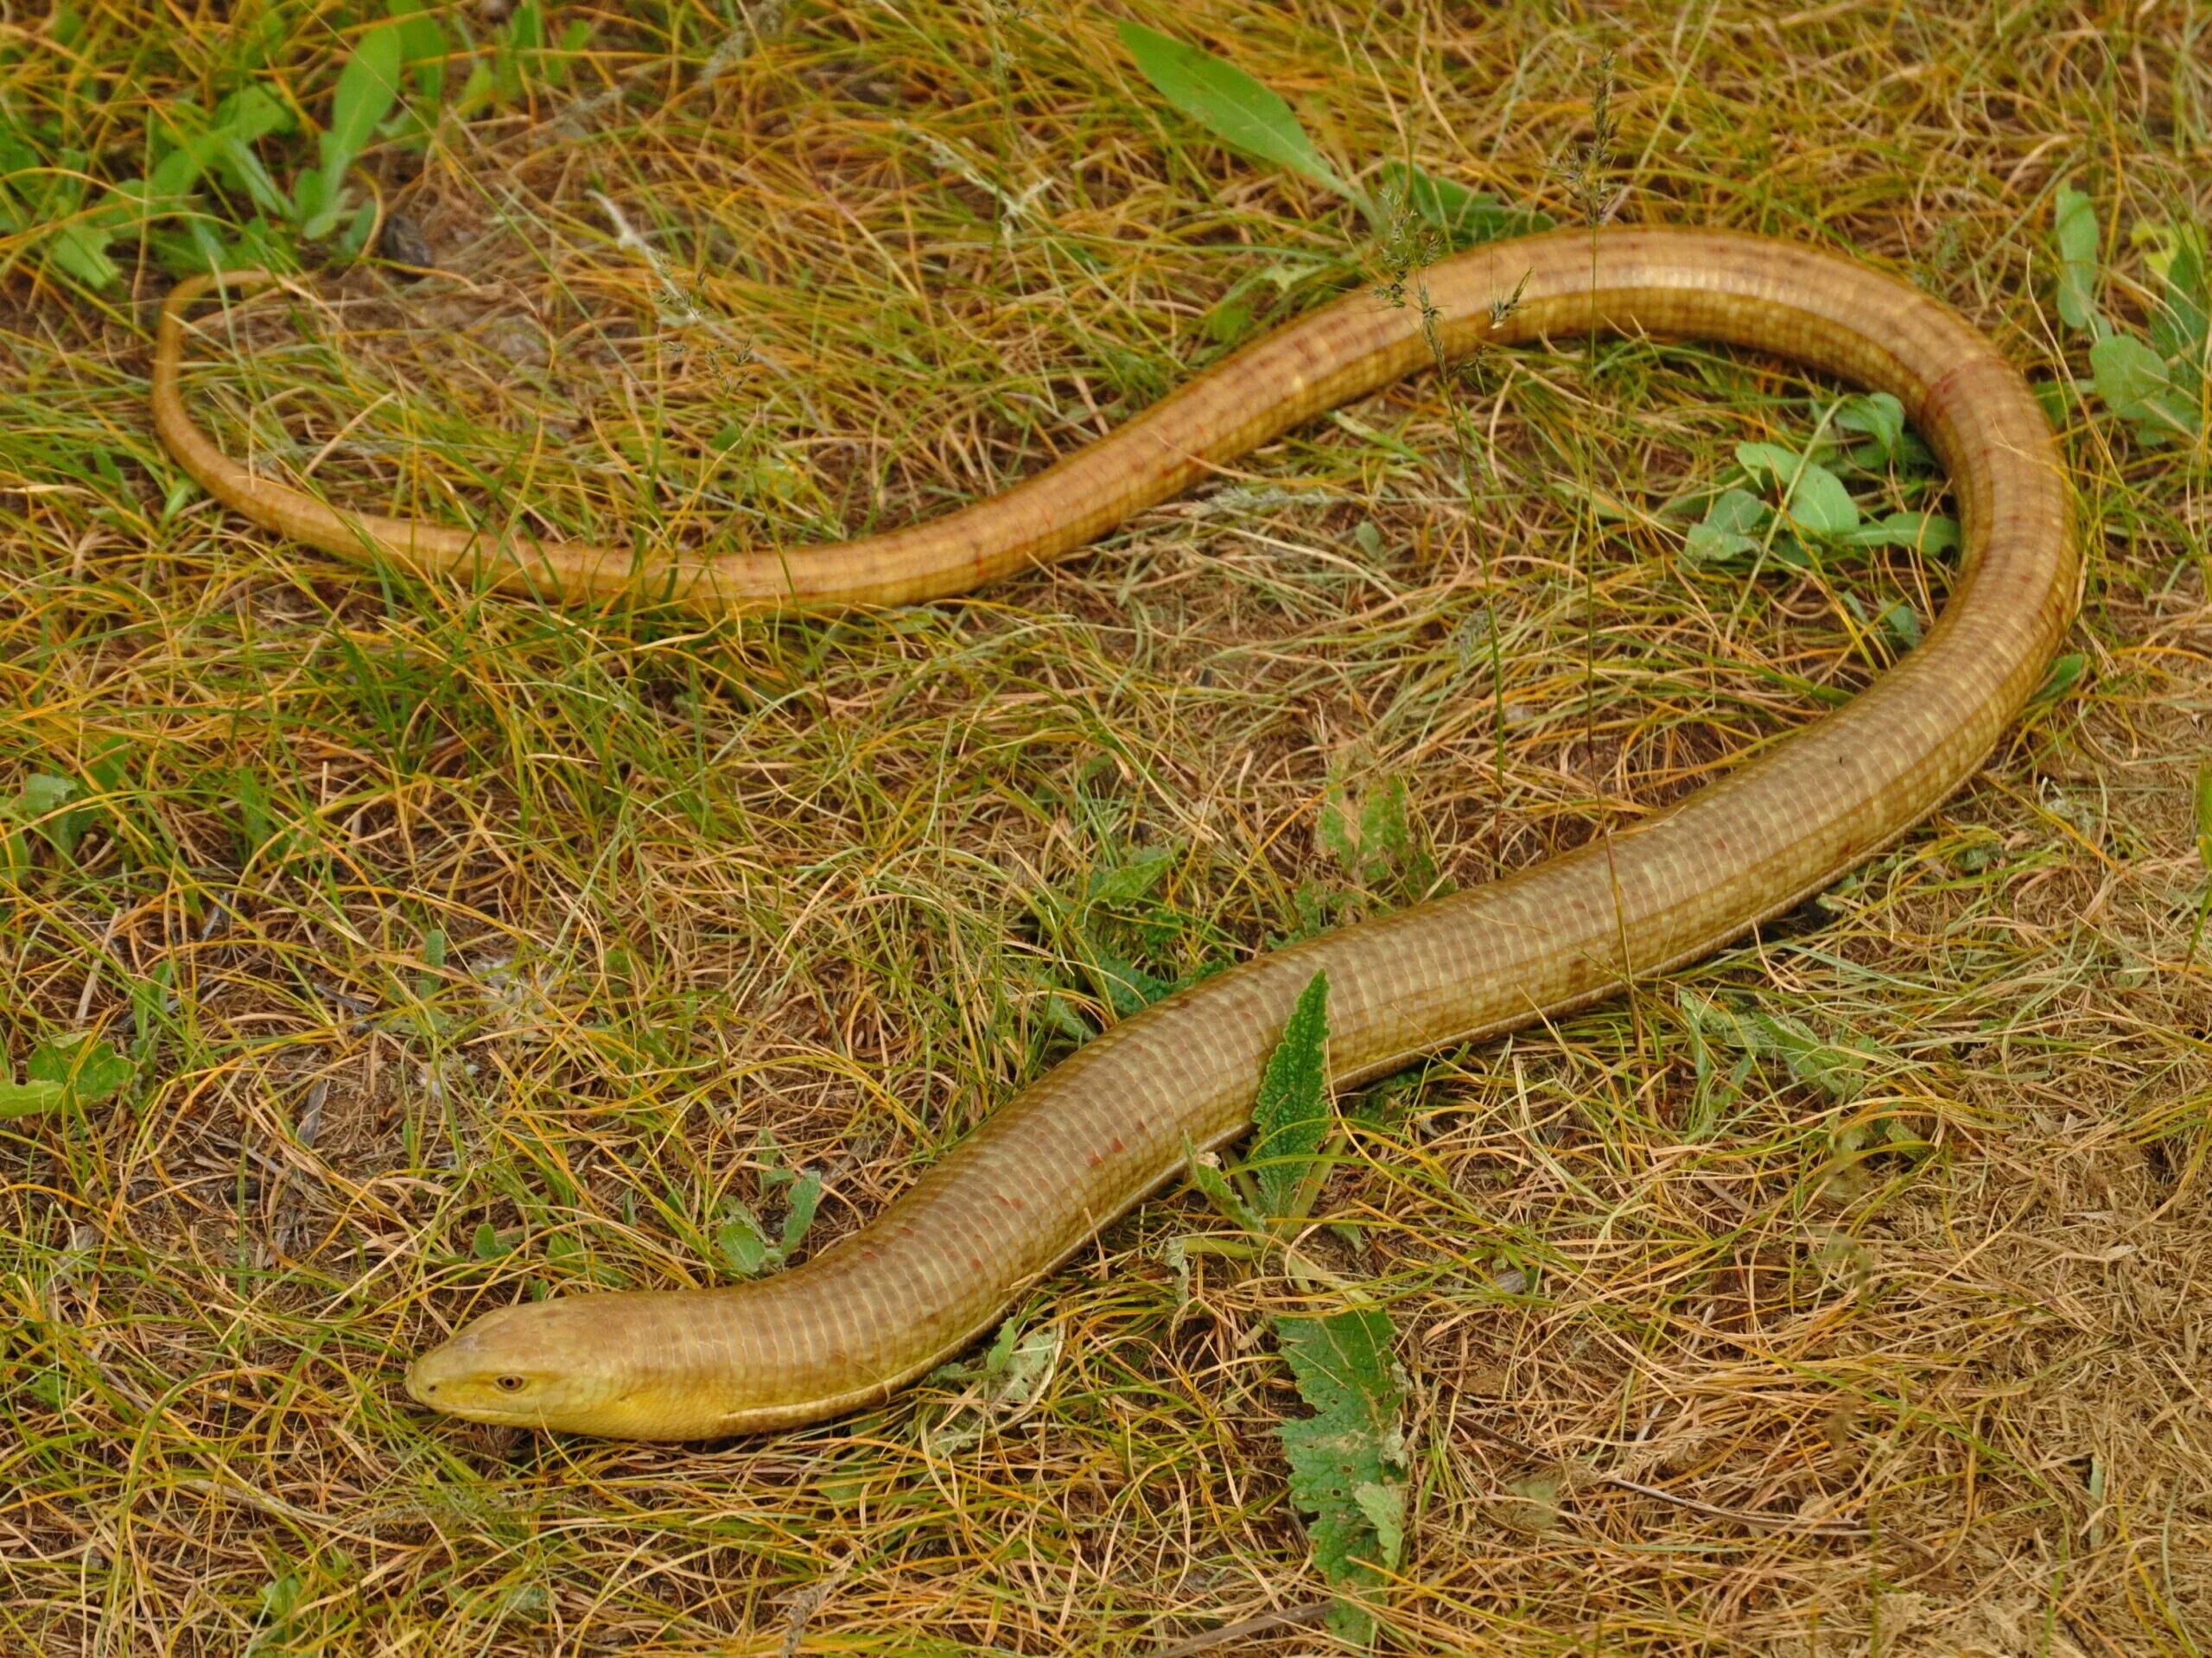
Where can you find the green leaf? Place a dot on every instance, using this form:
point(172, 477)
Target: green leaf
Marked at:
point(1128, 986)
point(1902, 623)
point(2181, 329)
point(2135, 384)
point(742, 1241)
point(1228, 103)
point(2064, 674)
point(477, 90)
point(240, 168)
point(1839, 1069)
point(1880, 416)
point(2074, 226)
point(1347, 1459)
point(805, 1196)
point(81, 251)
point(1817, 500)
point(42, 799)
point(527, 29)
point(355, 236)
point(1738, 513)
point(422, 47)
point(1927, 532)
point(1372, 838)
point(2128, 374)
point(367, 87)
point(1771, 461)
point(31, 1099)
point(1820, 503)
point(1706, 544)
point(1384, 834)
point(1128, 882)
point(310, 204)
point(1213, 1185)
point(1465, 216)
point(1385, 1508)
point(250, 114)
point(1291, 1117)
point(84, 1068)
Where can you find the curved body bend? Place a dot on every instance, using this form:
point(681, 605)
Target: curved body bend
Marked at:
point(1084, 1144)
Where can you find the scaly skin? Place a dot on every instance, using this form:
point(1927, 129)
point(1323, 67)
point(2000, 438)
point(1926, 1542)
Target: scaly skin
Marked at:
point(1084, 1144)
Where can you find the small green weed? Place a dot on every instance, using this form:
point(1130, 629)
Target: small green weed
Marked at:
point(1131, 943)
point(1799, 505)
point(1372, 837)
point(1348, 1459)
point(72, 1071)
point(1254, 119)
point(747, 1245)
point(2157, 382)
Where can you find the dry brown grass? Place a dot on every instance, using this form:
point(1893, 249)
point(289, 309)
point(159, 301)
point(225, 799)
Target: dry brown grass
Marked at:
point(435, 918)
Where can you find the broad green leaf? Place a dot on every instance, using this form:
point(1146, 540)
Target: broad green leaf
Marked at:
point(1019, 1370)
point(477, 90)
point(1817, 500)
point(1903, 624)
point(367, 87)
point(2128, 374)
point(743, 1244)
point(1128, 986)
point(1820, 503)
point(423, 46)
point(1465, 216)
point(31, 1099)
point(2074, 227)
point(81, 251)
point(41, 800)
point(2136, 384)
point(1771, 461)
point(1738, 513)
point(1347, 1459)
point(2063, 674)
point(2181, 329)
point(1373, 838)
point(1228, 103)
point(1291, 1117)
point(1385, 1508)
point(527, 29)
point(1334, 828)
point(1707, 545)
point(1880, 416)
point(1929, 532)
point(1132, 880)
point(1384, 834)
point(176, 173)
point(240, 168)
point(805, 1196)
point(310, 204)
point(250, 114)
point(355, 236)
point(84, 1068)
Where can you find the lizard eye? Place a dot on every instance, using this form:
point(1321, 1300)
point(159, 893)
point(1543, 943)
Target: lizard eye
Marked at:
point(510, 1384)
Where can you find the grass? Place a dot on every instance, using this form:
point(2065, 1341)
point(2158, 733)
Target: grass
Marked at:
point(464, 947)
